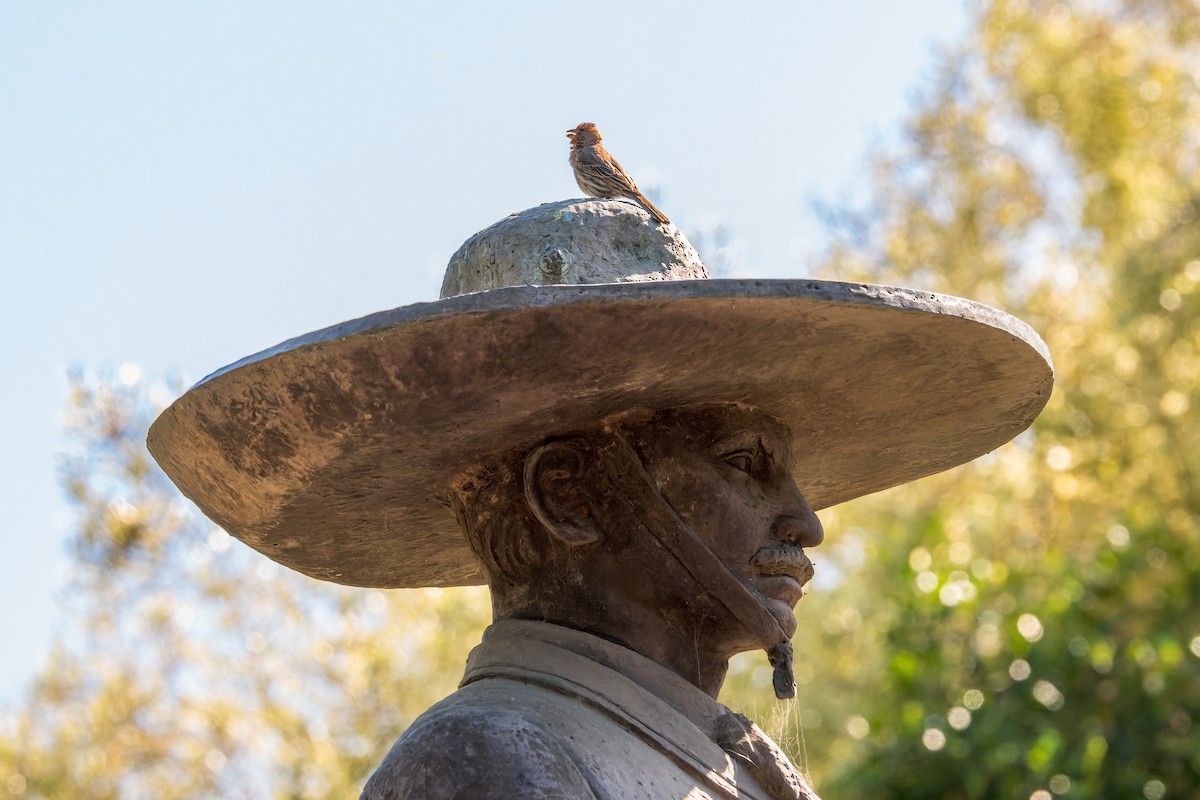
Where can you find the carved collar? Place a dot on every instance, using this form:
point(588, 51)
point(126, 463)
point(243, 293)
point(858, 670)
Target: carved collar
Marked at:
point(652, 702)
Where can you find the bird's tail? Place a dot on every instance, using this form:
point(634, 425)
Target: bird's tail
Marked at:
point(659, 217)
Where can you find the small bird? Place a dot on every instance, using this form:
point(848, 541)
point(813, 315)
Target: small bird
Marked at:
point(599, 174)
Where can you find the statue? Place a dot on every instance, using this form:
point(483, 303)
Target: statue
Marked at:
point(629, 454)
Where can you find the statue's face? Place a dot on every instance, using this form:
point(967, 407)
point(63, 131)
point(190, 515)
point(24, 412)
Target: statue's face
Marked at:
point(726, 472)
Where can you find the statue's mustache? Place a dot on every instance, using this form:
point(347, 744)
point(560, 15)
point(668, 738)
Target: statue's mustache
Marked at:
point(783, 559)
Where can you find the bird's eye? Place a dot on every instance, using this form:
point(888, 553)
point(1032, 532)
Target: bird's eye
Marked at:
point(741, 460)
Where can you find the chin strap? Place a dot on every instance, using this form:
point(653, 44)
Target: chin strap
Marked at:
point(647, 510)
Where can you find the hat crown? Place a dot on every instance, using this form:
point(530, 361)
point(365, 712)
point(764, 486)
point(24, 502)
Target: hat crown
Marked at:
point(572, 242)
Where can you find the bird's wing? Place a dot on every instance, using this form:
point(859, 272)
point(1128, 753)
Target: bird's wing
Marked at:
point(602, 165)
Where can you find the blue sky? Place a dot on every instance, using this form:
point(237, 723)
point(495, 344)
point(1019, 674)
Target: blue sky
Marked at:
point(185, 184)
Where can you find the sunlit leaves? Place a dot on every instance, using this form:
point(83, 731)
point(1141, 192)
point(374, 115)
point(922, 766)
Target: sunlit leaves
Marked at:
point(194, 667)
point(1052, 168)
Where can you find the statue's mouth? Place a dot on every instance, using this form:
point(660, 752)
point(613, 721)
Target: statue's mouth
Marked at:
point(785, 560)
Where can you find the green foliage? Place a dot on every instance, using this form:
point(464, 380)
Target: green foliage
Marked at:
point(194, 667)
point(1029, 625)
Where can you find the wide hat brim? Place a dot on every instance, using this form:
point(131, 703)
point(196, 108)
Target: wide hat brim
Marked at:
point(332, 453)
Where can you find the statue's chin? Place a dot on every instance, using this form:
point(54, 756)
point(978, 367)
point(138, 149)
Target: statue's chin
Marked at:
point(781, 610)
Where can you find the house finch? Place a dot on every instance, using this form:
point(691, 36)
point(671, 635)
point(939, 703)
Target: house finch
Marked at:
point(599, 174)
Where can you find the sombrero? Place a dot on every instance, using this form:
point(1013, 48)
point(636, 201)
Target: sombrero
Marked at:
point(332, 453)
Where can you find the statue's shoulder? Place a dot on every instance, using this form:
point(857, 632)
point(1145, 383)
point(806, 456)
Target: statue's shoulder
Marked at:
point(475, 745)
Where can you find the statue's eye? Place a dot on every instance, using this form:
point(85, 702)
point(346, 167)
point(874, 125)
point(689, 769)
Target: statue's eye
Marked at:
point(742, 459)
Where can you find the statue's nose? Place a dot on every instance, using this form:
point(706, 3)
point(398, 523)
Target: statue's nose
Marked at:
point(799, 524)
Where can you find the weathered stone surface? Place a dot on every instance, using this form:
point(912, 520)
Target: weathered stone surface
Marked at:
point(572, 242)
point(332, 452)
point(329, 452)
point(549, 712)
point(631, 461)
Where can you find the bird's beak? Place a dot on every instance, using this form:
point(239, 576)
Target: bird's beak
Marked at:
point(571, 133)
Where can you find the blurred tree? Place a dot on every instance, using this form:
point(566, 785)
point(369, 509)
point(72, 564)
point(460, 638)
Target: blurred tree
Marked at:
point(193, 667)
point(1029, 625)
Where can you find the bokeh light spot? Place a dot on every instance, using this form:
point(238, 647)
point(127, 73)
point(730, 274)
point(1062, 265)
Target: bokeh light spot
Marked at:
point(981, 568)
point(933, 739)
point(1030, 627)
point(129, 373)
point(1174, 403)
point(957, 590)
point(376, 601)
point(960, 552)
point(218, 540)
point(1019, 670)
point(858, 727)
point(919, 559)
point(1059, 458)
point(959, 718)
point(850, 619)
point(1125, 361)
point(1118, 536)
point(927, 582)
point(1150, 90)
point(987, 640)
point(1048, 695)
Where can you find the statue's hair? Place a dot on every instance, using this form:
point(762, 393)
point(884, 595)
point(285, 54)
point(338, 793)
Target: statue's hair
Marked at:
point(507, 540)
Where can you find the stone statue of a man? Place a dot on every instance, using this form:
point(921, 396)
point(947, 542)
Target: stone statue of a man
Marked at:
point(630, 459)
point(612, 556)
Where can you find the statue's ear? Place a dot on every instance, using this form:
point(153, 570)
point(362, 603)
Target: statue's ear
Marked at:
point(557, 494)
